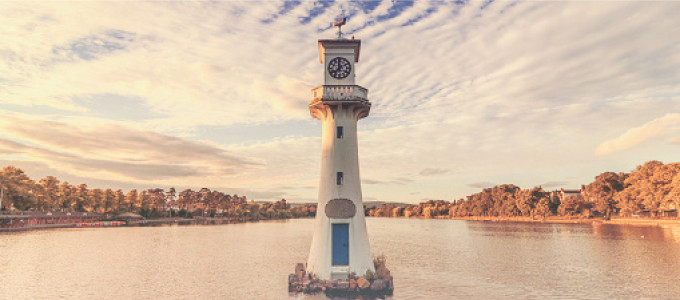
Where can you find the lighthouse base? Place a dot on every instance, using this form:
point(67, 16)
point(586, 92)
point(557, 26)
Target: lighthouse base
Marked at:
point(342, 284)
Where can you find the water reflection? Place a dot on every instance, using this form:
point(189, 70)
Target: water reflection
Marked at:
point(666, 233)
point(619, 232)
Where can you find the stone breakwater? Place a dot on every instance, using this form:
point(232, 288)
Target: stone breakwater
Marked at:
point(378, 284)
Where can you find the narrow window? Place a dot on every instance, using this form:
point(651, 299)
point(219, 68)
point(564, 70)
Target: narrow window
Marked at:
point(339, 132)
point(340, 178)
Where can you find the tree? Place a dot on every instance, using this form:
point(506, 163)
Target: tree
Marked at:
point(109, 204)
point(186, 199)
point(170, 196)
point(542, 208)
point(143, 201)
point(120, 200)
point(157, 198)
point(47, 193)
point(601, 192)
point(131, 200)
point(95, 199)
point(81, 198)
point(67, 195)
point(17, 188)
point(653, 186)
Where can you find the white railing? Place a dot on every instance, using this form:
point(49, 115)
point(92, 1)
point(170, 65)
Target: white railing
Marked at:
point(340, 92)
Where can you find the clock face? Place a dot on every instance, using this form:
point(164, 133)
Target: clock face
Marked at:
point(339, 67)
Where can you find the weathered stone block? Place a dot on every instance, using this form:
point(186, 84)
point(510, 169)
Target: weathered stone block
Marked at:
point(379, 285)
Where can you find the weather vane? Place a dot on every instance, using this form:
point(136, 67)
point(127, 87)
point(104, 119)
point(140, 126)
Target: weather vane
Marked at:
point(339, 21)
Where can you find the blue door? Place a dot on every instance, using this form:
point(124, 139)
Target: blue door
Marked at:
point(340, 244)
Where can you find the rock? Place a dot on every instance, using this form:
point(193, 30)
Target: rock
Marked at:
point(300, 271)
point(331, 284)
point(314, 287)
point(378, 285)
point(362, 283)
point(383, 272)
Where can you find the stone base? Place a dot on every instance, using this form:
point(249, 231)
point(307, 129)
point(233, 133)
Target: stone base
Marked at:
point(303, 282)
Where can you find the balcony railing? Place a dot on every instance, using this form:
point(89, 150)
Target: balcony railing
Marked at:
point(340, 93)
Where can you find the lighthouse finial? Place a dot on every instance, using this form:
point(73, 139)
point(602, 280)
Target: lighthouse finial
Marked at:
point(339, 21)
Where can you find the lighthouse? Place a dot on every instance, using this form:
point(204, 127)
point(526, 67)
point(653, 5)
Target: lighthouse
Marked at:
point(340, 243)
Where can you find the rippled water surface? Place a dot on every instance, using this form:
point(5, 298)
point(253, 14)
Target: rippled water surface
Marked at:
point(430, 259)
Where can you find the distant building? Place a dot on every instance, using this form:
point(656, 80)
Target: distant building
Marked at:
point(561, 194)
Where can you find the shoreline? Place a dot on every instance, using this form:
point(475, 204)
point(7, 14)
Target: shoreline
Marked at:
point(648, 222)
point(576, 220)
point(140, 223)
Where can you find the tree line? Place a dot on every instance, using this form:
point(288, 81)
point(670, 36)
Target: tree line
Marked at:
point(18, 190)
point(652, 189)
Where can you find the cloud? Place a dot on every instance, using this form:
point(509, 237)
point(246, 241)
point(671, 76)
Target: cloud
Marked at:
point(481, 184)
point(553, 184)
point(397, 181)
point(103, 169)
point(371, 181)
point(660, 127)
point(114, 149)
point(432, 171)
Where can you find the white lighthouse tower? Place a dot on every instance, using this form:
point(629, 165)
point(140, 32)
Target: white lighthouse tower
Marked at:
point(340, 244)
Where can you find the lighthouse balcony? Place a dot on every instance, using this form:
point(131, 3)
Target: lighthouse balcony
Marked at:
point(340, 93)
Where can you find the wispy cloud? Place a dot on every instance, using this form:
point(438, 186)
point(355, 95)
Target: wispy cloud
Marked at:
point(481, 184)
point(657, 128)
point(98, 150)
point(432, 171)
point(553, 184)
point(398, 181)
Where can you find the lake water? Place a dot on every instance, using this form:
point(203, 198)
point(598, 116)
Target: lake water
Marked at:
point(429, 259)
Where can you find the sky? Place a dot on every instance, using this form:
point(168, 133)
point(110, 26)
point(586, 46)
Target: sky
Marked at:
point(465, 95)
